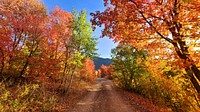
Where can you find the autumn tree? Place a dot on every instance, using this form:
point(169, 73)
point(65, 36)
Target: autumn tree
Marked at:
point(33, 43)
point(58, 58)
point(140, 22)
point(103, 69)
point(22, 24)
point(98, 73)
point(88, 71)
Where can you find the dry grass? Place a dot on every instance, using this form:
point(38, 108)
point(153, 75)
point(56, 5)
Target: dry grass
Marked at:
point(40, 96)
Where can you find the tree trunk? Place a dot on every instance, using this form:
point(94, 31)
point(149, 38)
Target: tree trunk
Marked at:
point(2, 62)
point(196, 71)
point(26, 64)
point(191, 69)
point(195, 83)
point(24, 68)
point(70, 82)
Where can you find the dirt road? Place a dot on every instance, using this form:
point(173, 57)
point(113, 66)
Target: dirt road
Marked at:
point(103, 97)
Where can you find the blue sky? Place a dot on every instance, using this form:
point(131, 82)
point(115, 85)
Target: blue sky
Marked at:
point(104, 44)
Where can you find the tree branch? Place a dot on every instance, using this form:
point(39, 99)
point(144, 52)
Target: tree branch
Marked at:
point(167, 39)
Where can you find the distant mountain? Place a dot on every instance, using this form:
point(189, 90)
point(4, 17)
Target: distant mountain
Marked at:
point(99, 61)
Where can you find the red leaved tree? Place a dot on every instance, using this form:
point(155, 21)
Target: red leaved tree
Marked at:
point(22, 24)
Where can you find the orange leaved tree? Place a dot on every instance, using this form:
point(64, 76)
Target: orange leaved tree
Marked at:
point(88, 71)
point(105, 71)
point(140, 22)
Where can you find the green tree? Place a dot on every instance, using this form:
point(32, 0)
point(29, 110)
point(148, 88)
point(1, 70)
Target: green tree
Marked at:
point(128, 65)
point(82, 40)
point(81, 45)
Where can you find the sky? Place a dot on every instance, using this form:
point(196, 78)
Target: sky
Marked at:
point(104, 44)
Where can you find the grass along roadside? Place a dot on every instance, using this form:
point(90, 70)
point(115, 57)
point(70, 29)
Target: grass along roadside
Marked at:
point(40, 97)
